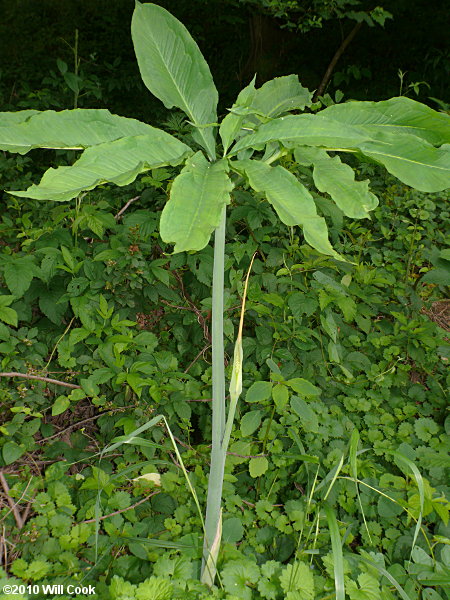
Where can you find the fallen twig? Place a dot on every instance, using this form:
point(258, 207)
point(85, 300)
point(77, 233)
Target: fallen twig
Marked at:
point(66, 429)
point(200, 400)
point(124, 208)
point(247, 455)
point(40, 378)
point(201, 353)
point(117, 512)
point(19, 518)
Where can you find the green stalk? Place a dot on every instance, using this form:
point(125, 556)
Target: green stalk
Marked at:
point(218, 456)
point(221, 437)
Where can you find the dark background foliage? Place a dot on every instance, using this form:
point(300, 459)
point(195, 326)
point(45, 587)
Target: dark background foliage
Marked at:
point(237, 40)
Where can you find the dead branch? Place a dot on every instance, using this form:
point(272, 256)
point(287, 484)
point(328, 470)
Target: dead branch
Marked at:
point(40, 378)
point(124, 208)
point(337, 55)
point(73, 426)
point(19, 518)
point(122, 510)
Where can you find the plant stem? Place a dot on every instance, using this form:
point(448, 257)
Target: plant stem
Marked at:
point(218, 456)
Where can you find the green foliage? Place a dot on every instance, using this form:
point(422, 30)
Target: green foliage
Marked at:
point(378, 368)
point(93, 297)
point(303, 16)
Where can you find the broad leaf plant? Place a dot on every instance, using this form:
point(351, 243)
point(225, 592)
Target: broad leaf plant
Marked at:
point(264, 125)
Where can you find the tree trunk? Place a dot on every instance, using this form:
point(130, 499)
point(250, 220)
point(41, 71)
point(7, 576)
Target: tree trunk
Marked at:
point(266, 43)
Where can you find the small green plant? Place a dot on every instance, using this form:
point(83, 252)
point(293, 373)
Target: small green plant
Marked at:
point(260, 130)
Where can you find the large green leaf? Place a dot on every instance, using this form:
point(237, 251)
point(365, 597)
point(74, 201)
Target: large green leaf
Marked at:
point(117, 162)
point(397, 115)
point(281, 95)
point(309, 130)
point(173, 68)
point(232, 123)
point(413, 160)
point(26, 129)
point(333, 177)
point(291, 200)
point(198, 196)
point(410, 158)
point(274, 98)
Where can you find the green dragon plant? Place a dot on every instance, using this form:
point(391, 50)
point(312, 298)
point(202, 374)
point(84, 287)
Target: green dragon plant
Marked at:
point(408, 138)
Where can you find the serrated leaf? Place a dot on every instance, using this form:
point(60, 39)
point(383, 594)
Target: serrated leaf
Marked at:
point(103, 306)
point(49, 262)
point(348, 307)
point(301, 386)
point(8, 315)
point(334, 356)
point(61, 404)
point(307, 416)
point(154, 478)
point(329, 324)
point(11, 452)
point(136, 382)
point(19, 273)
point(298, 577)
point(6, 300)
point(49, 303)
point(95, 225)
point(118, 162)
point(77, 335)
point(259, 391)
point(138, 550)
point(173, 68)
point(300, 305)
point(77, 395)
point(197, 198)
point(439, 276)
point(237, 576)
point(80, 128)
point(89, 387)
point(368, 588)
point(232, 530)
point(291, 200)
point(102, 375)
point(161, 274)
point(258, 466)
point(425, 428)
point(250, 422)
point(280, 396)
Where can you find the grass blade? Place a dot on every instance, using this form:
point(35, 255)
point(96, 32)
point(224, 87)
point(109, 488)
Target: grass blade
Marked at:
point(352, 452)
point(388, 576)
point(336, 546)
point(420, 485)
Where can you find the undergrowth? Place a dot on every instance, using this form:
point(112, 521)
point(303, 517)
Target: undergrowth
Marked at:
point(342, 438)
